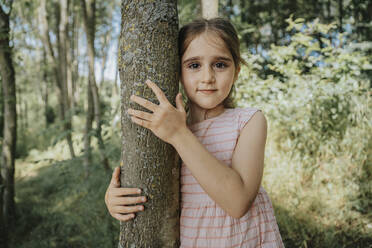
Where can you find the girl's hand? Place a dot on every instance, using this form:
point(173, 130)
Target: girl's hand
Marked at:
point(165, 121)
point(117, 199)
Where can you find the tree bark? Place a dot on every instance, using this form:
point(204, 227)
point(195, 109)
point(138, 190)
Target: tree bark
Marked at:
point(7, 204)
point(88, 7)
point(209, 8)
point(148, 49)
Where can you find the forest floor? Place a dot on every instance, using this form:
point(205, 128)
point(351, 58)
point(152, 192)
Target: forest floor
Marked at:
point(57, 207)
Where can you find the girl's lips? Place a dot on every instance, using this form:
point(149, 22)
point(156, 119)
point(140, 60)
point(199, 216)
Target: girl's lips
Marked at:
point(207, 91)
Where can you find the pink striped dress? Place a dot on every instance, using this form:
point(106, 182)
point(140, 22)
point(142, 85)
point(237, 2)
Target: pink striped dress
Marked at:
point(203, 222)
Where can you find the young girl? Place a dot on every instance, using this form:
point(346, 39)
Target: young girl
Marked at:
point(222, 148)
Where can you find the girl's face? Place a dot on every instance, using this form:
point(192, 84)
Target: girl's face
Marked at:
point(207, 71)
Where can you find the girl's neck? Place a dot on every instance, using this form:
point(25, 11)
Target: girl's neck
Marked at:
point(198, 114)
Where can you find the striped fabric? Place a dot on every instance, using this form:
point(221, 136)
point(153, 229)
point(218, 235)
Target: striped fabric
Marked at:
point(203, 223)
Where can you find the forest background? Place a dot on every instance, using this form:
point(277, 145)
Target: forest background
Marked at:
point(309, 70)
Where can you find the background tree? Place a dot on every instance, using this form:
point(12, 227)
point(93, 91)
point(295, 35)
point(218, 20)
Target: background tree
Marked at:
point(7, 204)
point(89, 16)
point(148, 50)
point(59, 60)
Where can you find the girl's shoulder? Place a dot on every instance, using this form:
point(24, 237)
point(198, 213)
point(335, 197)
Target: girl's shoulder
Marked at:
point(243, 115)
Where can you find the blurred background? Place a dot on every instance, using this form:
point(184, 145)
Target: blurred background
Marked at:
point(309, 70)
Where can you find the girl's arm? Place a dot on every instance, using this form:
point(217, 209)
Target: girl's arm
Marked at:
point(232, 188)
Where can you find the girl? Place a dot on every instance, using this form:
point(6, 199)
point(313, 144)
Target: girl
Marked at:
point(222, 148)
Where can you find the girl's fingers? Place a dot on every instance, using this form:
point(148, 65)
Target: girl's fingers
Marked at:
point(123, 217)
point(143, 102)
point(124, 191)
point(141, 122)
point(140, 114)
point(127, 210)
point(158, 92)
point(115, 179)
point(127, 200)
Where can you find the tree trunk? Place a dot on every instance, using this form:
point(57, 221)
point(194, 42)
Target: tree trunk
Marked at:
point(75, 55)
point(209, 8)
point(7, 206)
point(58, 69)
point(148, 50)
point(62, 54)
point(340, 15)
point(89, 14)
point(88, 131)
point(2, 114)
point(69, 52)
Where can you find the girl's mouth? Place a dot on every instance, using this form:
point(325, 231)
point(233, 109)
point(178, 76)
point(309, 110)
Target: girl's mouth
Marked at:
point(208, 92)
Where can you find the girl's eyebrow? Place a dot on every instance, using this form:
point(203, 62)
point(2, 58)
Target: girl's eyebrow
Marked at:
point(198, 58)
point(190, 59)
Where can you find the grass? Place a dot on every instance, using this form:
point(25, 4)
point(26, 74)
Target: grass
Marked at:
point(58, 207)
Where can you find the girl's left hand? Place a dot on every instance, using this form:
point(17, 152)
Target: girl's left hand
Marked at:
point(165, 121)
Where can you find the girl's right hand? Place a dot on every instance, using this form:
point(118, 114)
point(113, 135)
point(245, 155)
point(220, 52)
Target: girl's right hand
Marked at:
point(117, 199)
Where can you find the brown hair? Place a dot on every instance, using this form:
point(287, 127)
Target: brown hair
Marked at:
point(223, 29)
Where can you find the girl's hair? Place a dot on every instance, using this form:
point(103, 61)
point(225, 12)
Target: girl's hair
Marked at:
point(224, 30)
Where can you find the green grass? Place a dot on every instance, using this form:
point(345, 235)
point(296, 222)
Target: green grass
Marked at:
point(322, 207)
point(58, 207)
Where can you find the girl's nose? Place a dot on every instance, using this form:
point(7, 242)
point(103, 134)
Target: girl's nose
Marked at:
point(208, 75)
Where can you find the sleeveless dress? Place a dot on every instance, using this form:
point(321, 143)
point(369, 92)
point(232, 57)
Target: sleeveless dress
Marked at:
point(203, 223)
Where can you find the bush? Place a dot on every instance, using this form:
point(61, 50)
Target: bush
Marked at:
point(315, 92)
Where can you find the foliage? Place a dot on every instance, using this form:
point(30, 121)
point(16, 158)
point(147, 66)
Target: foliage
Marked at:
point(317, 99)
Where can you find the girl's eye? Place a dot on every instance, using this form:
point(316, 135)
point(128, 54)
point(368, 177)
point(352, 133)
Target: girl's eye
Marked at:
point(220, 65)
point(194, 66)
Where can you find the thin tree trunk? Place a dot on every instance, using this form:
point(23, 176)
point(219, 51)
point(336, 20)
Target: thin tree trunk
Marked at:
point(58, 69)
point(7, 206)
point(88, 7)
point(69, 52)
point(148, 49)
point(209, 8)
point(62, 48)
point(75, 55)
point(105, 49)
point(46, 90)
point(88, 131)
point(2, 116)
point(25, 114)
point(340, 15)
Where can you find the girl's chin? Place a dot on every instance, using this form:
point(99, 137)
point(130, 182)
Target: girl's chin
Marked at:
point(206, 105)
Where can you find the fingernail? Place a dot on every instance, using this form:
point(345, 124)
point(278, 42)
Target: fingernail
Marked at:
point(139, 191)
point(148, 81)
point(143, 199)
